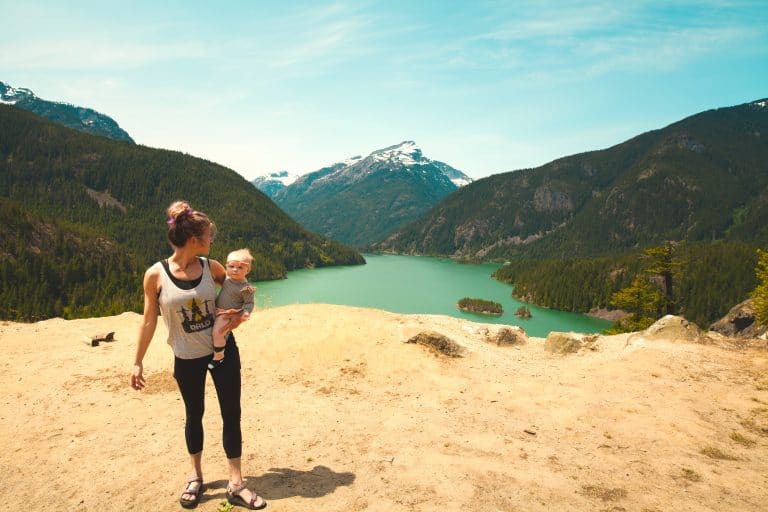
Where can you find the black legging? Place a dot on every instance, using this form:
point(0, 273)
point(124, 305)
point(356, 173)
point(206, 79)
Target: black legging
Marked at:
point(190, 376)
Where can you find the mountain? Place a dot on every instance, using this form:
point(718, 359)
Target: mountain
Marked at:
point(271, 183)
point(361, 200)
point(703, 178)
point(82, 216)
point(80, 118)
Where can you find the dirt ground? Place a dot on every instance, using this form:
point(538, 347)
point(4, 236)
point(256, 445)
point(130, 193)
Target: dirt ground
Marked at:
point(340, 414)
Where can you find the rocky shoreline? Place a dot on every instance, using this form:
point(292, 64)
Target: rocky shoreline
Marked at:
point(612, 315)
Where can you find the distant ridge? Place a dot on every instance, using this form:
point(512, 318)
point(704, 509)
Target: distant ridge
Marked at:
point(702, 178)
point(361, 200)
point(79, 118)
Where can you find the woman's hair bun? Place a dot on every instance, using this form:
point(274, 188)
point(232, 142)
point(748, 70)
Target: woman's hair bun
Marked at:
point(177, 211)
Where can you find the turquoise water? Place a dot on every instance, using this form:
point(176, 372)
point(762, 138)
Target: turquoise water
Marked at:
point(415, 284)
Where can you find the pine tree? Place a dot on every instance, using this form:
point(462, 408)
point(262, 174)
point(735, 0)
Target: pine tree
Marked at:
point(760, 295)
point(662, 261)
point(642, 300)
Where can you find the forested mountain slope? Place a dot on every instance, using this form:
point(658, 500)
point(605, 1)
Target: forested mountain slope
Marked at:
point(702, 178)
point(95, 192)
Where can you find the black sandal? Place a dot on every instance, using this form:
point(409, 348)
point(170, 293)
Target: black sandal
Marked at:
point(234, 498)
point(195, 493)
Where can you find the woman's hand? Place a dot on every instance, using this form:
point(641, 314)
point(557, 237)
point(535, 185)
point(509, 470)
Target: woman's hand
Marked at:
point(137, 377)
point(238, 318)
point(228, 312)
point(148, 324)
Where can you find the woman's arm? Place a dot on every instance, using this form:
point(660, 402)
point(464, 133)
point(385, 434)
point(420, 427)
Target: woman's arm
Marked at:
point(148, 325)
point(218, 272)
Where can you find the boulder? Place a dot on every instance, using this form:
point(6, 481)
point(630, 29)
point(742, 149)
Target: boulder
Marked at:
point(671, 328)
point(439, 343)
point(507, 336)
point(612, 315)
point(740, 322)
point(569, 342)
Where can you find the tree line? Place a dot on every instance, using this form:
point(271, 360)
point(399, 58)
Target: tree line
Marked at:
point(708, 279)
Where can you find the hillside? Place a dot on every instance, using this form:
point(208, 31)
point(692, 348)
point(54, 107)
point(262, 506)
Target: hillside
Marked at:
point(703, 178)
point(363, 199)
point(339, 414)
point(92, 190)
point(79, 118)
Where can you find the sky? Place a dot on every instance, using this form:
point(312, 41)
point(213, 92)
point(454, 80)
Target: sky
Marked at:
point(486, 86)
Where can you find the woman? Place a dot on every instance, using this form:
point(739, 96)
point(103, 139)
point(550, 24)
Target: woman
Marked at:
point(183, 289)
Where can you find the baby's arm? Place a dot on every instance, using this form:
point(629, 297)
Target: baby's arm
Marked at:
point(248, 304)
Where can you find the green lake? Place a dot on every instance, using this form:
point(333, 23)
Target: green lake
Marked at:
point(416, 284)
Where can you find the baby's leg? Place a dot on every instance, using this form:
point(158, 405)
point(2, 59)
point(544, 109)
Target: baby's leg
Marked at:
point(220, 330)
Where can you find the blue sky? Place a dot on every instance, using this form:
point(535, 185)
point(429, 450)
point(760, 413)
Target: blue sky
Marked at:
point(485, 86)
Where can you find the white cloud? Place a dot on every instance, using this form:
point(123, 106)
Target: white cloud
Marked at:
point(561, 40)
point(85, 54)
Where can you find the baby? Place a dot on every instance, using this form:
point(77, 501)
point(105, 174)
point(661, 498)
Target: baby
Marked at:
point(234, 302)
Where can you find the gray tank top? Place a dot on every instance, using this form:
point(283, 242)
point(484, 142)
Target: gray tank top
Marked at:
point(188, 314)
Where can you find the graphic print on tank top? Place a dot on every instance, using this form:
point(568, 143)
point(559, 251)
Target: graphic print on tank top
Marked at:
point(193, 318)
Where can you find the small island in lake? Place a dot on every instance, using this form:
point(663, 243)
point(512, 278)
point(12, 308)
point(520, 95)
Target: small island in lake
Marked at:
point(485, 307)
point(523, 312)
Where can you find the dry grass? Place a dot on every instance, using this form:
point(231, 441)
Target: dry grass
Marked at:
point(753, 427)
point(743, 440)
point(713, 452)
point(603, 493)
point(691, 475)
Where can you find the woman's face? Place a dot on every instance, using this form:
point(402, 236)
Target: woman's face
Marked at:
point(204, 242)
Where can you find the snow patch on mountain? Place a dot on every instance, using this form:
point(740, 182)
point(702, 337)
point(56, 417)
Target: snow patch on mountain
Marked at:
point(404, 156)
point(352, 160)
point(12, 95)
point(460, 182)
point(273, 182)
point(283, 177)
point(406, 153)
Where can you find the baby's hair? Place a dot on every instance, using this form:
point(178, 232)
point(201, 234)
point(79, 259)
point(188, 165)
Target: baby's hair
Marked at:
point(185, 223)
point(243, 255)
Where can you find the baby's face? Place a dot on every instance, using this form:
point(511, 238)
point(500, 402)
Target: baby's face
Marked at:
point(237, 269)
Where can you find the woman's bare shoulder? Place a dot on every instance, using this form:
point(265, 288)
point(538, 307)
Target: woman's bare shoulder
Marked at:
point(152, 271)
point(217, 271)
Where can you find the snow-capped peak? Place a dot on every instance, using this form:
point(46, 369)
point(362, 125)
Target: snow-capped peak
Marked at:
point(761, 103)
point(406, 156)
point(12, 95)
point(283, 177)
point(406, 153)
